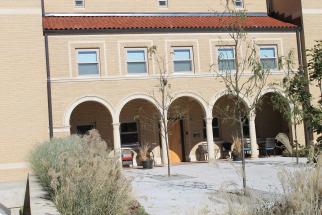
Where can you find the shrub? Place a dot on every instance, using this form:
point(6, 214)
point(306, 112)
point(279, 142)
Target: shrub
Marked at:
point(81, 177)
point(302, 195)
point(302, 152)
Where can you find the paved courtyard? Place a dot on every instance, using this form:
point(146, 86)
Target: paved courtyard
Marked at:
point(193, 187)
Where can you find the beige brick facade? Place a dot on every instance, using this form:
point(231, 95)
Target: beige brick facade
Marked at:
point(309, 14)
point(23, 106)
point(113, 96)
point(68, 6)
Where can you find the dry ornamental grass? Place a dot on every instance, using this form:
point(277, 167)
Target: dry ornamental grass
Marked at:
point(81, 177)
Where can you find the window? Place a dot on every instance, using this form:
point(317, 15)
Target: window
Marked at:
point(79, 3)
point(239, 3)
point(226, 59)
point(84, 129)
point(268, 57)
point(129, 134)
point(182, 60)
point(215, 128)
point(136, 61)
point(246, 128)
point(163, 3)
point(88, 62)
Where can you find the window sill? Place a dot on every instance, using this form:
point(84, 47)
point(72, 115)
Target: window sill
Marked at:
point(184, 73)
point(137, 75)
point(88, 76)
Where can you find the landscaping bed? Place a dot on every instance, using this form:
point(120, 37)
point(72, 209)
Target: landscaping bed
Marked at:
point(82, 177)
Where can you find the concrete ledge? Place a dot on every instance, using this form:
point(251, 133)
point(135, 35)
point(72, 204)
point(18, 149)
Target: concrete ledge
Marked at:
point(13, 175)
point(4, 210)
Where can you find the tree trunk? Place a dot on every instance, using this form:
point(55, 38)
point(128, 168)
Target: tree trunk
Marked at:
point(243, 155)
point(165, 125)
point(295, 141)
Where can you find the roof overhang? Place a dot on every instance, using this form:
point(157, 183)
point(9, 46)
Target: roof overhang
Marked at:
point(163, 24)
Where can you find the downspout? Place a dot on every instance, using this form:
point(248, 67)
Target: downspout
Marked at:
point(301, 60)
point(309, 137)
point(299, 48)
point(49, 97)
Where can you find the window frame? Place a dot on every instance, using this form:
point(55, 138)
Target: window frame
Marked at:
point(213, 127)
point(134, 145)
point(241, 6)
point(218, 60)
point(163, 6)
point(246, 128)
point(97, 62)
point(145, 58)
point(275, 52)
point(93, 125)
point(79, 6)
point(191, 60)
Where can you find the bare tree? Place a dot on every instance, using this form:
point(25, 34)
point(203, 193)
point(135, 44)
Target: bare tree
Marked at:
point(164, 94)
point(244, 77)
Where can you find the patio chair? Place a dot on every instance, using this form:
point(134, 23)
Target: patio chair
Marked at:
point(247, 146)
point(261, 145)
point(203, 150)
point(129, 157)
point(270, 145)
point(226, 150)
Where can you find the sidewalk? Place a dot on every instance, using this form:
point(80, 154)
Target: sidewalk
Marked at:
point(12, 197)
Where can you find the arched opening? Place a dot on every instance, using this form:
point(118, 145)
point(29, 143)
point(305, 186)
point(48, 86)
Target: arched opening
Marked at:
point(92, 115)
point(186, 129)
point(269, 123)
point(140, 121)
point(225, 124)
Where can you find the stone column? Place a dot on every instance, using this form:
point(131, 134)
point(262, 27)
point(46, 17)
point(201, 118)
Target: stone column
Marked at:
point(253, 137)
point(117, 140)
point(210, 139)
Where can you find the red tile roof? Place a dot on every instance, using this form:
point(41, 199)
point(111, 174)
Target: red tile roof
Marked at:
point(160, 22)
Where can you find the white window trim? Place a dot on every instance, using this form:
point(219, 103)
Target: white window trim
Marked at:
point(97, 61)
point(163, 6)
point(191, 60)
point(223, 47)
point(79, 6)
point(146, 62)
point(276, 55)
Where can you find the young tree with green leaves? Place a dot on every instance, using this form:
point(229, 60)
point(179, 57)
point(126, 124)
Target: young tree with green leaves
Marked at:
point(315, 75)
point(291, 104)
point(296, 93)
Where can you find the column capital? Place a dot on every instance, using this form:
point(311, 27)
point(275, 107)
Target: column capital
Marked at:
point(209, 118)
point(116, 124)
point(161, 120)
point(252, 116)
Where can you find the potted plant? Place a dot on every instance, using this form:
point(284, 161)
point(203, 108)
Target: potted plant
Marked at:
point(144, 153)
point(237, 150)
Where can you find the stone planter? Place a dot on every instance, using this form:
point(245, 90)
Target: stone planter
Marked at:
point(236, 157)
point(147, 164)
